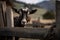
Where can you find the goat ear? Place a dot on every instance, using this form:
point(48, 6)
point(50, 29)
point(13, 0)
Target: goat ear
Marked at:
point(33, 11)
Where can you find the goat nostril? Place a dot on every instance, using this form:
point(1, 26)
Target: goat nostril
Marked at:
point(23, 22)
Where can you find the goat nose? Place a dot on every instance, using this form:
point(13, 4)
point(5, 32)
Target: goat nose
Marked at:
point(23, 21)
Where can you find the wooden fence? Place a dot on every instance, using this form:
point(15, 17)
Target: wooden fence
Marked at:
point(35, 33)
point(28, 32)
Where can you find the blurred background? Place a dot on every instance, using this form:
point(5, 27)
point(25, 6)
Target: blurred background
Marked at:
point(46, 10)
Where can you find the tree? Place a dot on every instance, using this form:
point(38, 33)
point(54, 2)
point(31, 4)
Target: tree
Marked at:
point(49, 15)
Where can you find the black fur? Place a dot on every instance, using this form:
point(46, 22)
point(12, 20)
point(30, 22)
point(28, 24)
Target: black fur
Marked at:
point(17, 20)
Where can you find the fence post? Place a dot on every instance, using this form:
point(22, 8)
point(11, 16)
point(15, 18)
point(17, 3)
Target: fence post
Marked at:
point(58, 19)
point(10, 21)
point(4, 12)
point(1, 17)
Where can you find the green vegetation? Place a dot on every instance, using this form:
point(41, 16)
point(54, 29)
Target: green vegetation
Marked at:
point(49, 15)
point(41, 12)
point(18, 6)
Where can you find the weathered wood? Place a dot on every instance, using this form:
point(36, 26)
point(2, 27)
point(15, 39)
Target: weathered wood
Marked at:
point(6, 38)
point(1, 16)
point(36, 33)
point(4, 12)
point(58, 19)
point(3, 20)
point(6, 17)
point(9, 13)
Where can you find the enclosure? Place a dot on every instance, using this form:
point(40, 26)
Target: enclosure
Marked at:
point(40, 27)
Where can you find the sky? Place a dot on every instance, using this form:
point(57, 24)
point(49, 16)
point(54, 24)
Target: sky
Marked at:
point(32, 1)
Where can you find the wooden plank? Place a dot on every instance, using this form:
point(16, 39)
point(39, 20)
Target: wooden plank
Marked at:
point(58, 19)
point(4, 12)
point(9, 13)
point(1, 17)
point(5, 38)
point(36, 33)
point(3, 20)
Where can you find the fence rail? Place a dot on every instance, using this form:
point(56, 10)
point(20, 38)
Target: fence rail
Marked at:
point(35, 33)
